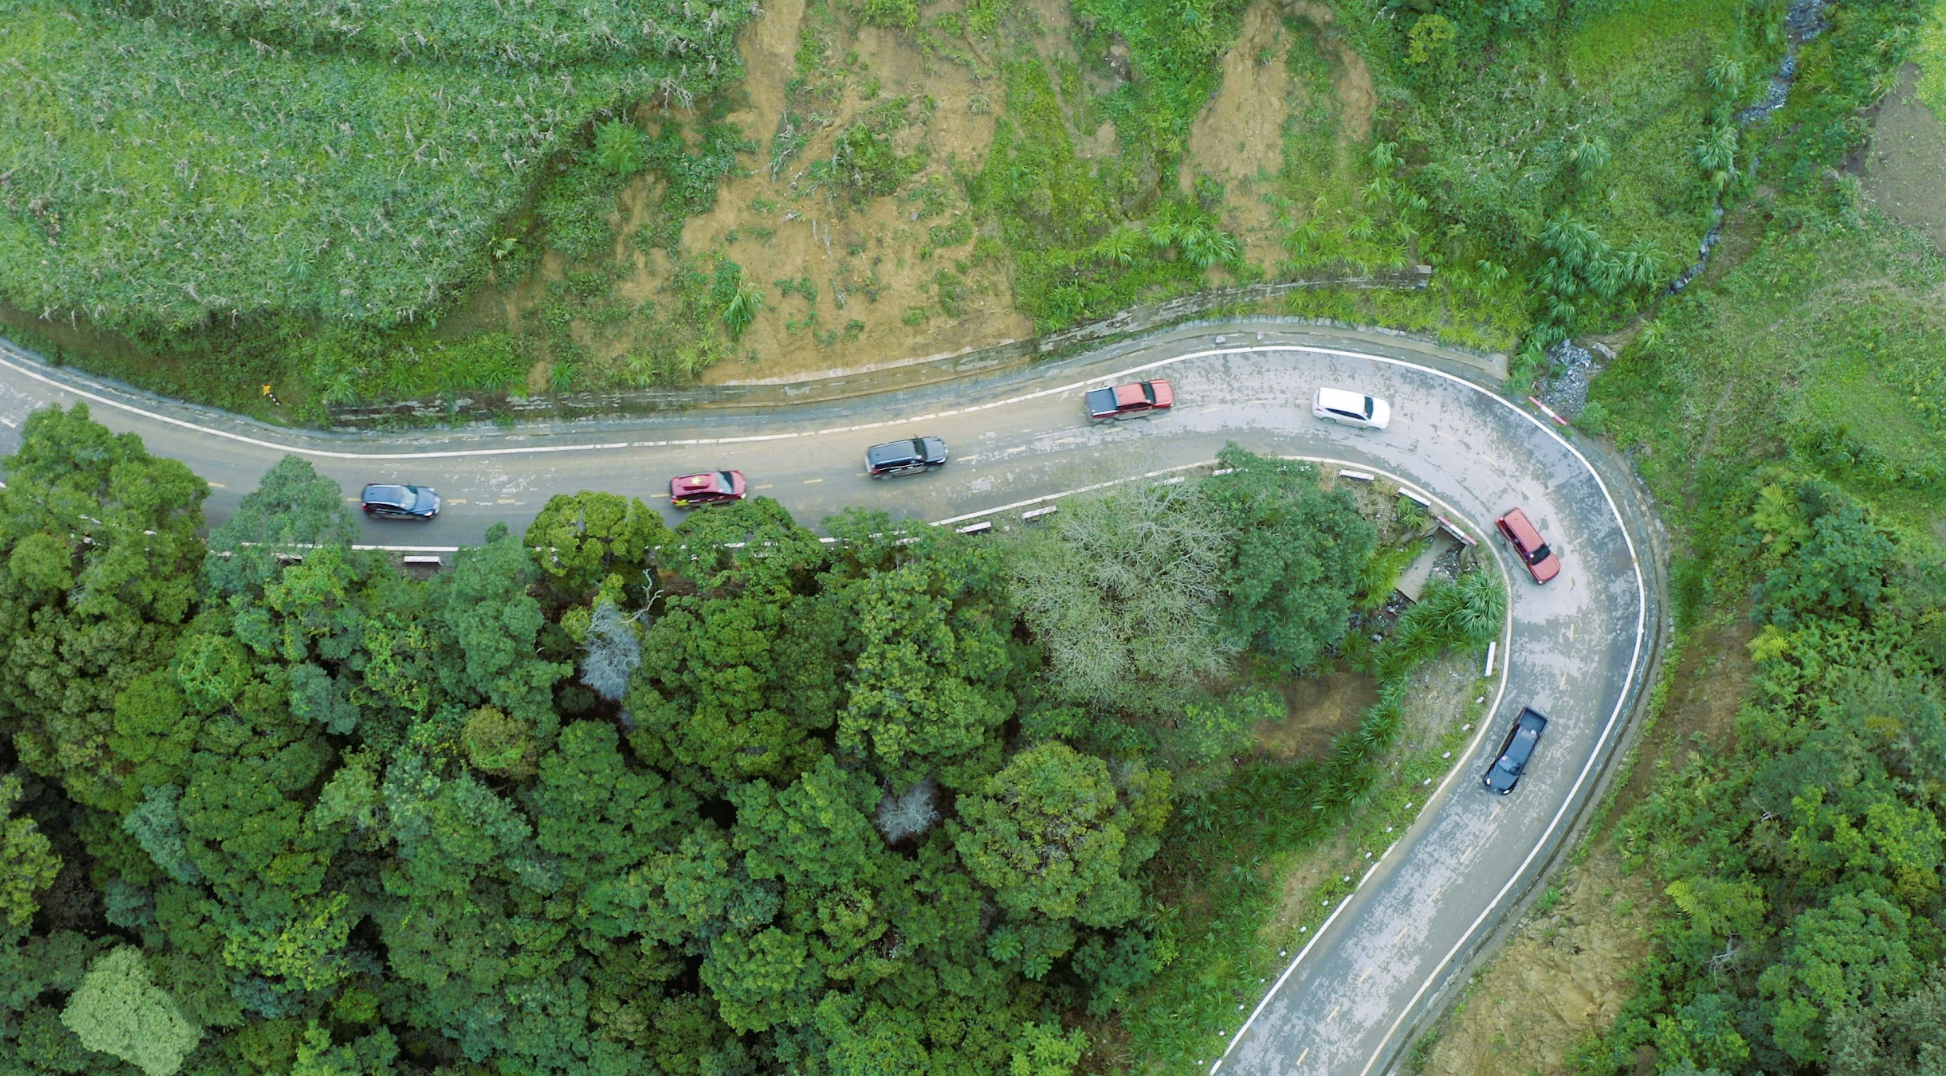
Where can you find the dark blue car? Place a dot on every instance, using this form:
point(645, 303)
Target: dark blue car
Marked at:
point(400, 502)
point(1505, 772)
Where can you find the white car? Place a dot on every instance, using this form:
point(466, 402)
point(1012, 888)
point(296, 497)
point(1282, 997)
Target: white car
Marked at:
point(1352, 409)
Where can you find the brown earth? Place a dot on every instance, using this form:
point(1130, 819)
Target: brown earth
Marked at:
point(1351, 78)
point(1238, 138)
point(873, 264)
point(1315, 711)
point(1441, 692)
point(1568, 968)
point(1906, 159)
point(871, 279)
point(1566, 973)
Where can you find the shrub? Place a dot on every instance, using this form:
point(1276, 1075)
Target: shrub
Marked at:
point(1593, 418)
point(619, 148)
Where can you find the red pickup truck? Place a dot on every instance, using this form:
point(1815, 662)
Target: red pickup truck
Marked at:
point(1136, 398)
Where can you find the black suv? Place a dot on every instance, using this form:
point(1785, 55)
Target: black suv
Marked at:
point(400, 502)
point(1505, 772)
point(905, 457)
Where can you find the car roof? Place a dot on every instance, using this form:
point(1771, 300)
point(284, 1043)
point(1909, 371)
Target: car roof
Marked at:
point(892, 451)
point(1344, 398)
point(398, 496)
point(1524, 530)
point(697, 483)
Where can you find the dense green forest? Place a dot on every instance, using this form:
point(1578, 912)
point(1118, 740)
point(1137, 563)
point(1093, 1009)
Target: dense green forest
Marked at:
point(1801, 850)
point(608, 798)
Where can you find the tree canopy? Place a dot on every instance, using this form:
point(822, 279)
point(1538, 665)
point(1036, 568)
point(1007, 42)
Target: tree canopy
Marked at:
point(606, 797)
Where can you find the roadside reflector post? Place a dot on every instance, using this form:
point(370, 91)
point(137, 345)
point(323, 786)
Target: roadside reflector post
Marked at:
point(1546, 410)
point(1036, 513)
point(424, 562)
point(1455, 530)
point(1490, 648)
point(981, 527)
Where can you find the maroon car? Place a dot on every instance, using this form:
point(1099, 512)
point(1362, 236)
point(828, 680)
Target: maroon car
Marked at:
point(1541, 562)
point(1137, 398)
point(710, 487)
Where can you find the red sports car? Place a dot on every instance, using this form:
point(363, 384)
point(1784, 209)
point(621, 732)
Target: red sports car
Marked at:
point(710, 487)
point(1137, 398)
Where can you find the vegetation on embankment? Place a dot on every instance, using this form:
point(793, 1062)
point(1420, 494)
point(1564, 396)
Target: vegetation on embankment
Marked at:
point(910, 177)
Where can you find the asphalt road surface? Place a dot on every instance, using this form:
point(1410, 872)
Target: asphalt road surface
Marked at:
point(1575, 649)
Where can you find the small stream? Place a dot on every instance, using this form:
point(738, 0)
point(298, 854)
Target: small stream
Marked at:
point(1802, 22)
point(1572, 367)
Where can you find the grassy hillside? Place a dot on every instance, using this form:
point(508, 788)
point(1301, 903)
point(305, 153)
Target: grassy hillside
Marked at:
point(365, 215)
point(173, 166)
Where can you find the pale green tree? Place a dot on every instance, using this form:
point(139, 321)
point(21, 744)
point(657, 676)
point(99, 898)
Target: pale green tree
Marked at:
point(119, 1010)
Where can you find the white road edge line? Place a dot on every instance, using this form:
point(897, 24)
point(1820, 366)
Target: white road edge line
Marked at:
point(1642, 601)
point(1641, 623)
point(1438, 794)
point(9, 355)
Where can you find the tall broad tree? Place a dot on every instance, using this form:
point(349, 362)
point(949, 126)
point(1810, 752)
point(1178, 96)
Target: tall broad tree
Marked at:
point(1294, 557)
point(592, 542)
point(1051, 833)
point(485, 609)
point(1122, 593)
point(739, 672)
point(100, 547)
point(293, 510)
point(27, 860)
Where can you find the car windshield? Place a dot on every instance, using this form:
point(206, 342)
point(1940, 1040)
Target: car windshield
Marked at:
point(1368, 407)
point(726, 483)
point(1539, 553)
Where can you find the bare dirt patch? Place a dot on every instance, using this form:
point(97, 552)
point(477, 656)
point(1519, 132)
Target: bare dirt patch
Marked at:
point(1439, 697)
point(1238, 138)
point(1904, 170)
point(1566, 973)
point(1315, 710)
point(890, 277)
point(1351, 78)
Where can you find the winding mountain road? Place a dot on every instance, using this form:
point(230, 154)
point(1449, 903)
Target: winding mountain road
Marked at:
point(1578, 649)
